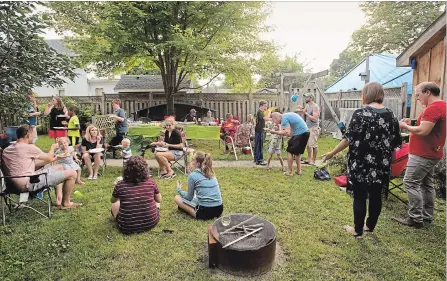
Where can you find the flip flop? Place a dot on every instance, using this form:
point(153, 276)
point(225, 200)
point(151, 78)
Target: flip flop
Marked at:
point(169, 177)
point(95, 178)
point(299, 174)
point(288, 174)
point(72, 206)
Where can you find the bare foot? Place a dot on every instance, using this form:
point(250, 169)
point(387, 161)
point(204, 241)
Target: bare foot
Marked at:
point(351, 230)
point(267, 167)
point(79, 182)
point(72, 205)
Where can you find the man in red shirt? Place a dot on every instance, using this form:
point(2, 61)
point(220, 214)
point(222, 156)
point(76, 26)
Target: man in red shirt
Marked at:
point(426, 147)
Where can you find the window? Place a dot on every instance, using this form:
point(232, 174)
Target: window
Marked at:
point(99, 91)
point(61, 92)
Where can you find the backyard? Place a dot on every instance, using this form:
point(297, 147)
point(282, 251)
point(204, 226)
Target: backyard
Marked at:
point(84, 244)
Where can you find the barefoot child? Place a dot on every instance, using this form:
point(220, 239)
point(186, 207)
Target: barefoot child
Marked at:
point(275, 148)
point(64, 156)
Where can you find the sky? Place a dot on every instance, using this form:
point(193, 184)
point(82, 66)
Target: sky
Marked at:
point(317, 31)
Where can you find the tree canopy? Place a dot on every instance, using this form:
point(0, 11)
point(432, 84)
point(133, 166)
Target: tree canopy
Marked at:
point(182, 39)
point(390, 28)
point(26, 60)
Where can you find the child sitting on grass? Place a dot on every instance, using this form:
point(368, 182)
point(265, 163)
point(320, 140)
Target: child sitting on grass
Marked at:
point(126, 153)
point(135, 197)
point(65, 157)
point(275, 148)
point(203, 199)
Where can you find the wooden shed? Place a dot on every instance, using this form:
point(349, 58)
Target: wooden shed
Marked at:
point(427, 56)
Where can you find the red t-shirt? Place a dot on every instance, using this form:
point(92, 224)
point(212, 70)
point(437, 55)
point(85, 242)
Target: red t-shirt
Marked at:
point(432, 145)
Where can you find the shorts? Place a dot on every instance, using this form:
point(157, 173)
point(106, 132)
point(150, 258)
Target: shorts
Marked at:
point(314, 132)
point(53, 178)
point(297, 144)
point(74, 140)
point(274, 150)
point(207, 213)
point(57, 133)
point(177, 154)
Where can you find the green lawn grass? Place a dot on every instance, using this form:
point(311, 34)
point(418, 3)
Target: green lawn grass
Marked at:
point(83, 244)
point(325, 144)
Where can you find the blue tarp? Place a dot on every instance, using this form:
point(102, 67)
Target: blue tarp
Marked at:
point(382, 69)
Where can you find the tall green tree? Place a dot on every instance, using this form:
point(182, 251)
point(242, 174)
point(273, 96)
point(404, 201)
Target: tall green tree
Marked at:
point(26, 60)
point(392, 26)
point(203, 39)
point(276, 65)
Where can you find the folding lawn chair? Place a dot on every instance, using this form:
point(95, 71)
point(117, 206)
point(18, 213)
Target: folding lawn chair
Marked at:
point(241, 139)
point(102, 166)
point(9, 194)
point(180, 164)
point(398, 167)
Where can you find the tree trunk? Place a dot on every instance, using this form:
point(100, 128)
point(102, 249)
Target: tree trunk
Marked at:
point(170, 101)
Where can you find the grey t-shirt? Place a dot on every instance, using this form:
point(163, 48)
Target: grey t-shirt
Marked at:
point(121, 127)
point(310, 123)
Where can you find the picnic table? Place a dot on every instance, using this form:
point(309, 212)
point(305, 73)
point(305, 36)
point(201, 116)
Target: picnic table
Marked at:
point(194, 132)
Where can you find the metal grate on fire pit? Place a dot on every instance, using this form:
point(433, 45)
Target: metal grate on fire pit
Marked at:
point(246, 246)
point(252, 242)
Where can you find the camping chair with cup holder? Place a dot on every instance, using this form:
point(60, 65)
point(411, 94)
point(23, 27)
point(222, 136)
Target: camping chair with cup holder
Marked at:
point(15, 200)
point(102, 165)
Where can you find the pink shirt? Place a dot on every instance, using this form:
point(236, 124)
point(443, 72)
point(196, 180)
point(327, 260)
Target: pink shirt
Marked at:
point(20, 159)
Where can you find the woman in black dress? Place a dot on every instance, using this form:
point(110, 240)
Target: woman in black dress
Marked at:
point(372, 136)
point(58, 117)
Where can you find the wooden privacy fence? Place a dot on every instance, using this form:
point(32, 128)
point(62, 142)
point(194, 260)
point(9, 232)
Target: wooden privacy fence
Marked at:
point(395, 99)
point(238, 104)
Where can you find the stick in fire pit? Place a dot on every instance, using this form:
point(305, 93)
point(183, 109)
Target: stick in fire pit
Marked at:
point(238, 225)
point(240, 238)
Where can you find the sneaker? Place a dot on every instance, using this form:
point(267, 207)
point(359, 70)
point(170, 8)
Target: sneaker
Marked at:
point(408, 222)
point(263, 163)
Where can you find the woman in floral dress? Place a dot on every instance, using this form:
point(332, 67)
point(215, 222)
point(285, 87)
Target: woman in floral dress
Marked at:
point(372, 136)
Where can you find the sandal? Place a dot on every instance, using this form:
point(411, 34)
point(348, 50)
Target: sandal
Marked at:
point(168, 177)
point(351, 230)
point(162, 175)
point(299, 174)
point(366, 229)
point(288, 174)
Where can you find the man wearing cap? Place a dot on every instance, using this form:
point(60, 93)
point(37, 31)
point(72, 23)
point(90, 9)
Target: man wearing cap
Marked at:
point(191, 116)
point(311, 113)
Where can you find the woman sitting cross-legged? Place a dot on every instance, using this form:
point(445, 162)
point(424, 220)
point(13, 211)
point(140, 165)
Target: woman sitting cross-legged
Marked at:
point(173, 142)
point(92, 139)
point(203, 200)
point(134, 199)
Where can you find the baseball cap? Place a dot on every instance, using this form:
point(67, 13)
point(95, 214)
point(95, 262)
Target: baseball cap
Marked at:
point(309, 95)
point(193, 110)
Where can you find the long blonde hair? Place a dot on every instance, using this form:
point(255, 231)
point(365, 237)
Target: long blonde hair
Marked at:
point(88, 136)
point(205, 163)
point(60, 103)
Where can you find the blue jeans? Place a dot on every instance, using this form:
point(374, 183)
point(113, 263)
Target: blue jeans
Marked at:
point(259, 145)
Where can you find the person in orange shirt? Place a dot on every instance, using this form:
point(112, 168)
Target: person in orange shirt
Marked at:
point(228, 128)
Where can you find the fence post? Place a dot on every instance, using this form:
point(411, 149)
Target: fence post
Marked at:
point(404, 97)
point(103, 103)
point(250, 102)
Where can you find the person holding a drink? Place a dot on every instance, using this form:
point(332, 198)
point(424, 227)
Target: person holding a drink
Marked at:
point(58, 118)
